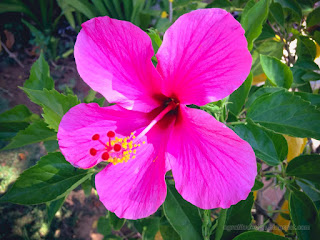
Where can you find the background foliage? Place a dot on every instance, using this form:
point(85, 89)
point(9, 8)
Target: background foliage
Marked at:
point(276, 110)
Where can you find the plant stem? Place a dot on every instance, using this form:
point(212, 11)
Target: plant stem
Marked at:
point(221, 223)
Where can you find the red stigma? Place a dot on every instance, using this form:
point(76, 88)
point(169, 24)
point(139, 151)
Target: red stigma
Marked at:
point(96, 137)
point(111, 134)
point(93, 152)
point(117, 147)
point(105, 156)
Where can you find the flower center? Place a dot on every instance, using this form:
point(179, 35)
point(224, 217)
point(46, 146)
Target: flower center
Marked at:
point(117, 150)
point(122, 149)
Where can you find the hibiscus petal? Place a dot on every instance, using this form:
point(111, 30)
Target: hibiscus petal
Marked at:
point(136, 189)
point(203, 57)
point(212, 167)
point(81, 122)
point(114, 58)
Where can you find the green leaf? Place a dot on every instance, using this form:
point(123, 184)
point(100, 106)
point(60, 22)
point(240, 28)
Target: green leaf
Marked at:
point(16, 6)
point(238, 214)
point(292, 5)
point(150, 227)
point(255, 235)
point(116, 222)
point(306, 167)
point(54, 104)
point(34, 133)
point(257, 185)
point(270, 48)
point(304, 70)
point(182, 215)
point(253, 19)
point(83, 7)
point(278, 73)
point(286, 113)
point(39, 76)
point(309, 188)
point(19, 113)
point(167, 231)
point(314, 99)
point(313, 17)
point(104, 226)
point(261, 91)
point(304, 216)
point(270, 147)
point(53, 207)
point(14, 120)
point(219, 4)
point(155, 38)
point(50, 179)
point(238, 97)
point(277, 13)
point(306, 48)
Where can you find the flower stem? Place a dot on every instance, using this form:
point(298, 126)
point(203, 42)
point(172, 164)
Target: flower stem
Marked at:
point(221, 223)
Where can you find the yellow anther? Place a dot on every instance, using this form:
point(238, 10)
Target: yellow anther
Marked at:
point(134, 151)
point(133, 157)
point(133, 137)
point(135, 145)
point(144, 142)
point(139, 145)
point(130, 151)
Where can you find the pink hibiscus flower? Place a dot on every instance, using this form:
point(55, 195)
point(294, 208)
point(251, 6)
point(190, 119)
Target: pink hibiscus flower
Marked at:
point(203, 58)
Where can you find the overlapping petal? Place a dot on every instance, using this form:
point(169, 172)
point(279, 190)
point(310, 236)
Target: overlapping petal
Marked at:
point(203, 57)
point(137, 188)
point(114, 58)
point(81, 122)
point(212, 167)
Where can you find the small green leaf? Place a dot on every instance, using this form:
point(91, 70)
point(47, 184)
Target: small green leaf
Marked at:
point(286, 113)
point(277, 13)
point(304, 216)
point(304, 70)
point(270, 48)
point(104, 226)
point(182, 215)
point(116, 222)
point(34, 133)
point(50, 179)
point(313, 17)
point(270, 147)
point(278, 73)
point(238, 97)
point(53, 207)
point(292, 5)
point(83, 7)
point(19, 113)
point(253, 19)
point(219, 4)
point(54, 104)
point(257, 185)
point(306, 167)
point(155, 38)
point(150, 227)
point(255, 235)
point(167, 231)
point(39, 76)
point(14, 120)
point(238, 214)
point(306, 48)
